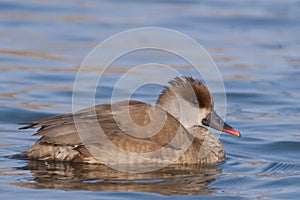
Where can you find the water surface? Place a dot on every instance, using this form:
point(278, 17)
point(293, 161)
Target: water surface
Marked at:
point(255, 44)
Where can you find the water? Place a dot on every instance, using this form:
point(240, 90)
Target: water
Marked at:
point(255, 44)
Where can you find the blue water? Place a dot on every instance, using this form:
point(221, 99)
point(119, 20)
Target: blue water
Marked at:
point(255, 44)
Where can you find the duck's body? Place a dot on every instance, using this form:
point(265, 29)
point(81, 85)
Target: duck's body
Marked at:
point(143, 130)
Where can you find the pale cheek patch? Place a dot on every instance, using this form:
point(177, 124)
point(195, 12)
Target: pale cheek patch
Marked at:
point(191, 115)
point(203, 112)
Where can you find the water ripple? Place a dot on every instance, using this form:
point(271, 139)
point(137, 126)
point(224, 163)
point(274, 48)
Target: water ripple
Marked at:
point(281, 168)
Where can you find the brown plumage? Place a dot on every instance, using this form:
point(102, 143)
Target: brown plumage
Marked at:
point(146, 129)
point(192, 88)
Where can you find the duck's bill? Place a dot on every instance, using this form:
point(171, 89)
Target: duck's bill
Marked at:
point(216, 122)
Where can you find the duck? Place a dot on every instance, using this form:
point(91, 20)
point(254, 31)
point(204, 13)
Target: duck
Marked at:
point(174, 130)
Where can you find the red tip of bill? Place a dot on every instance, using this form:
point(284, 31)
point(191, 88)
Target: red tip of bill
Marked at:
point(232, 131)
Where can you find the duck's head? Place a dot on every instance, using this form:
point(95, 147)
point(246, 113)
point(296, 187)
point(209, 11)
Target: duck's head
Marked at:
point(189, 101)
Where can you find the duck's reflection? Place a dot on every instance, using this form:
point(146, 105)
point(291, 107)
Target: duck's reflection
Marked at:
point(171, 180)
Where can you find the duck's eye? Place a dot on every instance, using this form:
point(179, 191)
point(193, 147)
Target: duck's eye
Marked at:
point(195, 101)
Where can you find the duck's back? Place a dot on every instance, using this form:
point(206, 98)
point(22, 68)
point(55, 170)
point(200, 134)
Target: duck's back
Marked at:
point(133, 127)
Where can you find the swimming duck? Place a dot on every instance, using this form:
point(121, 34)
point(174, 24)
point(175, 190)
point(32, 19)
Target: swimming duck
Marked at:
point(175, 124)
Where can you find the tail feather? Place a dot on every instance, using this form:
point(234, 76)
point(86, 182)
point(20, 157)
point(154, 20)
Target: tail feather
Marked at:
point(28, 125)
